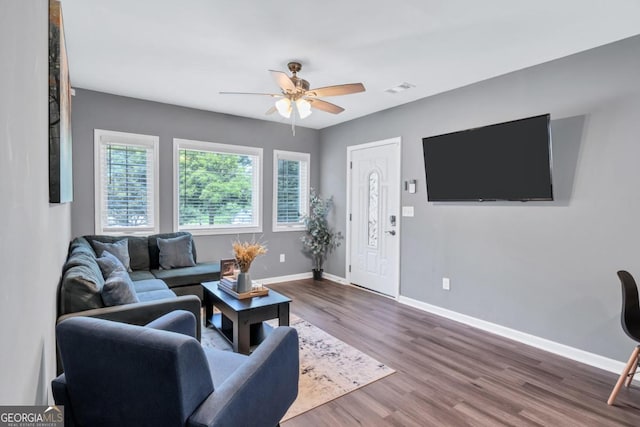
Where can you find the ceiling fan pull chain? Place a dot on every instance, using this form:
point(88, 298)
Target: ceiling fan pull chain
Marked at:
point(293, 123)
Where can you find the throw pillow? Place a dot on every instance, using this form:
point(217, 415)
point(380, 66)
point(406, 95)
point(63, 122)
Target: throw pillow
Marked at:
point(118, 289)
point(109, 263)
point(176, 252)
point(120, 249)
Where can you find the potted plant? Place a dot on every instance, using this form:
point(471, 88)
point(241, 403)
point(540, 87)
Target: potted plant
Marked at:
point(319, 239)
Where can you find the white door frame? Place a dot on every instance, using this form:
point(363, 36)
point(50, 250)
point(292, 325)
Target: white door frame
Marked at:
point(396, 140)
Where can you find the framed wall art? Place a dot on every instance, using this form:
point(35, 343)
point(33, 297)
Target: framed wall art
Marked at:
point(60, 157)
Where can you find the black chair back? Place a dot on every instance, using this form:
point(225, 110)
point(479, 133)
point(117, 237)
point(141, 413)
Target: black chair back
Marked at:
point(630, 317)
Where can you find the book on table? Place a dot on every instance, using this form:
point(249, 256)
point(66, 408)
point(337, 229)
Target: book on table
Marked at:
point(229, 283)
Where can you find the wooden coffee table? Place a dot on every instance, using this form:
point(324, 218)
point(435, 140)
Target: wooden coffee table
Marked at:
point(240, 321)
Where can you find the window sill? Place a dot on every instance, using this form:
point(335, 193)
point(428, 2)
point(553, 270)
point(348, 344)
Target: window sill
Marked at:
point(220, 231)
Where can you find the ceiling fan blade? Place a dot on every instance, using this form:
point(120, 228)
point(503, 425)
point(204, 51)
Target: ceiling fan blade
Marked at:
point(319, 104)
point(336, 90)
point(271, 111)
point(283, 81)
point(250, 93)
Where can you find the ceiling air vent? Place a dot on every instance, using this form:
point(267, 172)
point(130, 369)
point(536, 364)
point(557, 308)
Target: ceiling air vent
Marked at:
point(401, 87)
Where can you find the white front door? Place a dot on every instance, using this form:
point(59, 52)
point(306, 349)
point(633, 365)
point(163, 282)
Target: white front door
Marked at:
point(374, 226)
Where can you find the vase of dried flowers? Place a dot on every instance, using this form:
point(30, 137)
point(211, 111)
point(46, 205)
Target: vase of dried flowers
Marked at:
point(245, 253)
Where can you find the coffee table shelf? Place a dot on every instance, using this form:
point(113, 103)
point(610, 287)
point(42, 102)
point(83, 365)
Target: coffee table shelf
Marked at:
point(241, 322)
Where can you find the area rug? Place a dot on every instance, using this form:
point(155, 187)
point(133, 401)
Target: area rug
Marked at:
point(329, 368)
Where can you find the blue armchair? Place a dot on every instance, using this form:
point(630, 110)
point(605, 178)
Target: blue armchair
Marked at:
point(117, 374)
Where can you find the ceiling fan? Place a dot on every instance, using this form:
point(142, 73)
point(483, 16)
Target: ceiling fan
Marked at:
point(296, 96)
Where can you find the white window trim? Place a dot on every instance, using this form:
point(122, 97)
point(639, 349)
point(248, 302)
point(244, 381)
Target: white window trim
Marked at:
point(294, 156)
point(100, 137)
point(178, 144)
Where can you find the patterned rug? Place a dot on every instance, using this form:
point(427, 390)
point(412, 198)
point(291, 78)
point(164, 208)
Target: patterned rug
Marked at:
point(329, 368)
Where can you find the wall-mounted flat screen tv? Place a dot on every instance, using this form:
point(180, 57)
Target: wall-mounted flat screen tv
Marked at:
point(504, 161)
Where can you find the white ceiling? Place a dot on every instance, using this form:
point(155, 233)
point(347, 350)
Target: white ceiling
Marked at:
point(184, 52)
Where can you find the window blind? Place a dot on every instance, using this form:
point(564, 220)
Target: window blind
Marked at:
point(127, 187)
point(292, 190)
point(217, 189)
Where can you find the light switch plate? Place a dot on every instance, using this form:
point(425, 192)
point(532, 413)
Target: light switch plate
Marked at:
point(407, 211)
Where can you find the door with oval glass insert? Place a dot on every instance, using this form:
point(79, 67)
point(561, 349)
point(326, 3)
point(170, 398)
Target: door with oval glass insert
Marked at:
point(374, 239)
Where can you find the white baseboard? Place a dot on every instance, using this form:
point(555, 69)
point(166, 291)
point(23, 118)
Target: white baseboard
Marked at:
point(289, 278)
point(335, 278)
point(576, 354)
point(300, 276)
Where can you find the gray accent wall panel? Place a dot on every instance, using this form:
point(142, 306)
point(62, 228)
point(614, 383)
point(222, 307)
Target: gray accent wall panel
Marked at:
point(543, 268)
point(96, 110)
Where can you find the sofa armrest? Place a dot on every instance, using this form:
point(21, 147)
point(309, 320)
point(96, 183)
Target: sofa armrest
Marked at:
point(260, 391)
point(141, 313)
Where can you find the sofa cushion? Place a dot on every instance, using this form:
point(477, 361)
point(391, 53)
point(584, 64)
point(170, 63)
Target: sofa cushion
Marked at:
point(155, 295)
point(118, 289)
point(82, 258)
point(203, 272)
point(109, 263)
point(175, 252)
point(138, 249)
point(82, 280)
point(120, 249)
point(80, 289)
point(141, 275)
point(154, 251)
point(80, 253)
point(149, 285)
point(80, 244)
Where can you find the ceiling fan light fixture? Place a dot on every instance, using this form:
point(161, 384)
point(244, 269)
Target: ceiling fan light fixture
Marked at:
point(304, 108)
point(284, 107)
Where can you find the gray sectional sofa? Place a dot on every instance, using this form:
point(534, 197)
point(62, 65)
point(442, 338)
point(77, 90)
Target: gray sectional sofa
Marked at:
point(159, 291)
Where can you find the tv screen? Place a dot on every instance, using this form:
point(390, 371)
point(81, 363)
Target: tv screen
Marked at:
point(504, 161)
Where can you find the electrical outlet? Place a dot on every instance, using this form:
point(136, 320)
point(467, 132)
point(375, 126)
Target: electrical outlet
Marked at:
point(281, 257)
point(446, 285)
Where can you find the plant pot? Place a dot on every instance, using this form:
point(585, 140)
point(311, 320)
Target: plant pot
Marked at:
point(317, 274)
point(244, 283)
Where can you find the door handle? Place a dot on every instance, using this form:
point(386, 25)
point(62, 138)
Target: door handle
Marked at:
point(392, 232)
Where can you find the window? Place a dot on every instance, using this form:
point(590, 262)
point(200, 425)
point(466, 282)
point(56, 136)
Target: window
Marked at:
point(218, 188)
point(126, 183)
point(291, 190)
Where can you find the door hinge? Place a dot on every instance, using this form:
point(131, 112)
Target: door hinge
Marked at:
point(350, 165)
point(349, 268)
point(349, 217)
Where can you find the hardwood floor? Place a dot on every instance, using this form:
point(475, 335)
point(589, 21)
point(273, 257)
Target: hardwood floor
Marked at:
point(450, 374)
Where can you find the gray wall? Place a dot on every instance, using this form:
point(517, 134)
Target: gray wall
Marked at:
point(545, 268)
point(33, 234)
point(95, 110)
